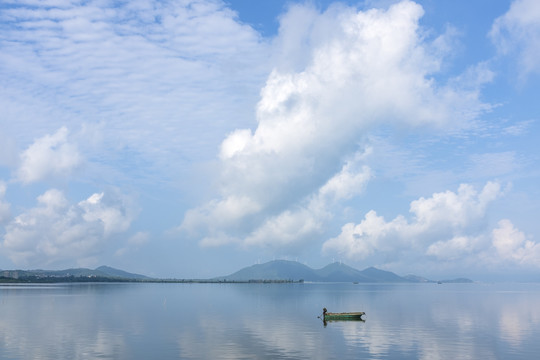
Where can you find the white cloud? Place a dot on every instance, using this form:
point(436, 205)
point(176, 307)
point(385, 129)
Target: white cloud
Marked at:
point(113, 218)
point(454, 249)
point(365, 238)
point(57, 231)
point(454, 210)
point(347, 183)
point(445, 221)
point(50, 155)
point(225, 213)
point(290, 228)
point(512, 244)
point(293, 227)
point(450, 227)
point(235, 143)
point(351, 72)
point(518, 32)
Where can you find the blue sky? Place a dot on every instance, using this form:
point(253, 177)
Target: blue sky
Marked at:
point(193, 138)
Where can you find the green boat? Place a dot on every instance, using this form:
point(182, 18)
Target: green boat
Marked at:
point(342, 316)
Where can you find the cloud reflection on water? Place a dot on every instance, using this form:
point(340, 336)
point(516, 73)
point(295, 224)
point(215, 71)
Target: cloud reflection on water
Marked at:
point(40, 324)
point(240, 321)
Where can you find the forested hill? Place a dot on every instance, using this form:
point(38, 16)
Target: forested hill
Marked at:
point(335, 272)
point(102, 273)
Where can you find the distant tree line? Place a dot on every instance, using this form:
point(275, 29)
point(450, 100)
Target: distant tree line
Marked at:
point(32, 279)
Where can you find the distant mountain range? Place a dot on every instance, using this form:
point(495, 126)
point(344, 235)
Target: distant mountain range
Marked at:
point(102, 273)
point(273, 271)
point(335, 272)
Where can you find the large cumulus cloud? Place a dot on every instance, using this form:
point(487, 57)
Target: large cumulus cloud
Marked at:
point(347, 72)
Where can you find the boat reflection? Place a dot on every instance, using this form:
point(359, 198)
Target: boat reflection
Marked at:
point(325, 322)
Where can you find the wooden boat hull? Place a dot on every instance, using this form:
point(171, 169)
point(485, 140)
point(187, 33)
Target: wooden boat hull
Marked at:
point(343, 316)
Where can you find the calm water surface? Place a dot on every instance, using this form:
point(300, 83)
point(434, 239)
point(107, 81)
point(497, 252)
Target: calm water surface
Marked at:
point(269, 321)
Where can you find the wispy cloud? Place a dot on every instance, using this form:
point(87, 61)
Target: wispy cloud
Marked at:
point(134, 243)
point(494, 165)
point(518, 32)
point(5, 212)
point(151, 73)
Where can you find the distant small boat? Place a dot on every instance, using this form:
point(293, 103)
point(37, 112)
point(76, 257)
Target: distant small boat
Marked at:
point(342, 316)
